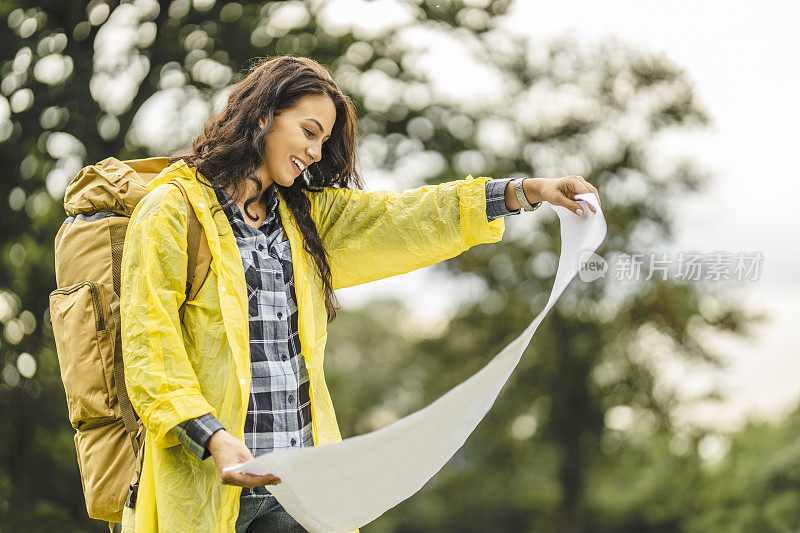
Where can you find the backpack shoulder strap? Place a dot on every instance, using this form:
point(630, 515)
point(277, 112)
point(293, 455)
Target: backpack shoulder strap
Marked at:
point(129, 416)
point(199, 255)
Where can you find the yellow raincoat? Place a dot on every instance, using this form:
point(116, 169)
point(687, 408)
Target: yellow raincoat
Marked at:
point(175, 371)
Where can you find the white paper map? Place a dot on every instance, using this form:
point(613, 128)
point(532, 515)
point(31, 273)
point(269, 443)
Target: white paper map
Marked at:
point(343, 486)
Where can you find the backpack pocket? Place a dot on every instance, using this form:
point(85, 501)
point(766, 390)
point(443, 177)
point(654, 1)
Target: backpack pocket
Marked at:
point(85, 333)
point(107, 463)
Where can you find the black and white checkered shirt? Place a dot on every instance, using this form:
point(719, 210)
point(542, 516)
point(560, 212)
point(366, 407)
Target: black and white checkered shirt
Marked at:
point(279, 411)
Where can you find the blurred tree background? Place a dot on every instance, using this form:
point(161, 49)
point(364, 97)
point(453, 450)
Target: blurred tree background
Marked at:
point(584, 437)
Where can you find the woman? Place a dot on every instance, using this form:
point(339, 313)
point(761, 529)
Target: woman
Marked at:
point(242, 375)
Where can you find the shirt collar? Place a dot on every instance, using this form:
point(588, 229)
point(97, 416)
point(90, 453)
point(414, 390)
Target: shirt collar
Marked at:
point(232, 211)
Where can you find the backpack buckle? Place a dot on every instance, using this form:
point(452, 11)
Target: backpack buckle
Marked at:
point(132, 493)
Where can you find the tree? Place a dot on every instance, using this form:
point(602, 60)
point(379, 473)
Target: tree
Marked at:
point(593, 356)
point(78, 82)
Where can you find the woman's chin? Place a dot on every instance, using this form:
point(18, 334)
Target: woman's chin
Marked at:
point(286, 181)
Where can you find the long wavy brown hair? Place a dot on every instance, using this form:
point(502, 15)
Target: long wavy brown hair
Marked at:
point(231, 146)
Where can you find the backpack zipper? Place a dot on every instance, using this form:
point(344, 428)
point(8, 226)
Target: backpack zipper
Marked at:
point(94, 290)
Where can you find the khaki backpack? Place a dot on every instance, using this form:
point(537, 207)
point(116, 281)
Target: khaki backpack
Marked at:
point(85, 314)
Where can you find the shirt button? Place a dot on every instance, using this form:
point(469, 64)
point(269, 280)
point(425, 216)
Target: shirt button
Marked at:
point(283, 358)
point(280, 315)
point(291, 398)
point(294, 442)
point(277, 276)
point(260, 246)
point(242, 381)
point(201, 205)
point(222, 288)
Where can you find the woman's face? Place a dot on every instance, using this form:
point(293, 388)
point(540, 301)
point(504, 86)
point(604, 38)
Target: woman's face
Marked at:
point(298, 132)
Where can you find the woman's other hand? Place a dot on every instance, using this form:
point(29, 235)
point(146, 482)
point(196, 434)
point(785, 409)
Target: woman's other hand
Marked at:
point(557, 191)
point(227, 451)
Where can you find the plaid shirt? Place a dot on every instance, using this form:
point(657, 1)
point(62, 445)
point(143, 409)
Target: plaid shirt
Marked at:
point(279, 411)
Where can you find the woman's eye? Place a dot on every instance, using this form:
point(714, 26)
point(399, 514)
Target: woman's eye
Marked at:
point(308, 132)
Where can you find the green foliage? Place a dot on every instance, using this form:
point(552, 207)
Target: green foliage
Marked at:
point(544, 459)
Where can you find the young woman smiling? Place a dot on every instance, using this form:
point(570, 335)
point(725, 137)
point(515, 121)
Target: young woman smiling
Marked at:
point(273, 181)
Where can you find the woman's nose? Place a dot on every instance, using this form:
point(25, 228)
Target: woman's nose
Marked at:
point(314, 153)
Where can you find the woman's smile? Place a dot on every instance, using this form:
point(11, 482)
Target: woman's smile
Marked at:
point(297, 164)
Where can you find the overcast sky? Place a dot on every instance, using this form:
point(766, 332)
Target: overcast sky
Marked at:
point(744, 61)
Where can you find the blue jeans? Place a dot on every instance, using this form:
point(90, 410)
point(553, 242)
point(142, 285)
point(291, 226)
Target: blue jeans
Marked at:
point(263, 514)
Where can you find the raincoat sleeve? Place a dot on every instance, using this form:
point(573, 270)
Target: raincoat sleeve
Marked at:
point(161, 381)
point(374, 235)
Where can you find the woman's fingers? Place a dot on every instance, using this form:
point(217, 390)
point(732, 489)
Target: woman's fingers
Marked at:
point(269, 479)
point(228, 451)
point(573, 206)
point(242, 479)
point(574, 185)
point(253, 480)
point(592, 189)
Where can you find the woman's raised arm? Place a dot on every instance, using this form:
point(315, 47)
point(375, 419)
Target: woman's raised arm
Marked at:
point(374, 235)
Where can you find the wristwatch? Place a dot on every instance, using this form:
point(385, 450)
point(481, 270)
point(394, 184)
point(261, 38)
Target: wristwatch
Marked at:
point(526, 205)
